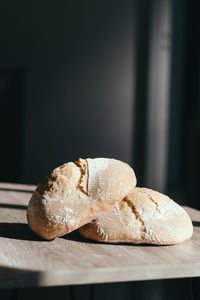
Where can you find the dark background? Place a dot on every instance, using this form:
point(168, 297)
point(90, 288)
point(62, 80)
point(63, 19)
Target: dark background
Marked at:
point(92, 79)
point(74, 63)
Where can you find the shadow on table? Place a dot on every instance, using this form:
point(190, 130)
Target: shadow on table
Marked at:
point(13, 278)
point(15, 206)
point(17, 231)
point(21, 231)
point(75, 236)
point(16, 190)
point(196, 223)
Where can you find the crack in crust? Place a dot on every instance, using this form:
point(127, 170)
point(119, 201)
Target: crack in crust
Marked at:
point(83, 166)
point(88, 174)
point(154, 201)
point(137, 216)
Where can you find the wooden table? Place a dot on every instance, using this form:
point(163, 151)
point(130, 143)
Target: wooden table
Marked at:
point(25, 260)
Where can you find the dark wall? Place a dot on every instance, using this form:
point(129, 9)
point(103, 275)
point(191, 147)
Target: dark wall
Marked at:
point(78, 61)
point(184, 122)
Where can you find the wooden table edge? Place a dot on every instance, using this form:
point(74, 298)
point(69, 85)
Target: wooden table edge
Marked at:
point(24, 278)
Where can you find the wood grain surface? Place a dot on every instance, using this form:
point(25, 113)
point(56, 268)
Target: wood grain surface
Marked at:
point(25, 260)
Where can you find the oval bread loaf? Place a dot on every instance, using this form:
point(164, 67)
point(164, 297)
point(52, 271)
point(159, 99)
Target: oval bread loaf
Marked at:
point(76, 193)
point(144, 216)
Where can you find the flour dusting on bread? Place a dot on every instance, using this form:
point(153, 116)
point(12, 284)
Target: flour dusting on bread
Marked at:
point(95, 167)
point(144, 216)
point(169, 211)
point(76, 193)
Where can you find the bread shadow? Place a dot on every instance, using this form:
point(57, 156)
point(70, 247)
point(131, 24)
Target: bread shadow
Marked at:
point(21, 231)
point(75, 236)
point(16, 190)
point(12, 278)
point(18, 231)
point(196, 223)
point(13, 206)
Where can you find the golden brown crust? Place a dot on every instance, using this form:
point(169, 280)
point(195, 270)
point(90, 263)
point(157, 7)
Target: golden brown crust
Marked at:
point(144, 216)
point(75, 193)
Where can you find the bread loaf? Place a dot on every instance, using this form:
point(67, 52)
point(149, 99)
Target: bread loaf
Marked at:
point(76, 193)
point(144, 216)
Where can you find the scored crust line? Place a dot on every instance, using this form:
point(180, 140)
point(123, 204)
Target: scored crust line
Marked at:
point(88, 174)
point(154, 201)
point(84, 172)
point(156, 204)
point(137, 216)
point(151, 199)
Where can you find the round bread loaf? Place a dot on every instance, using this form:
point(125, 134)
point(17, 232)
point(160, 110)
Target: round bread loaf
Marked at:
point(76, 193)
point(144, 216)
